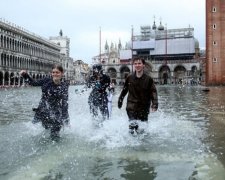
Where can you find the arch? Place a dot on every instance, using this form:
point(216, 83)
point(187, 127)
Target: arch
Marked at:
point(1, 78)
point(39, 76)
point(12, 78)
point(194, 68)
point(4, 42)
point(6, 79)
point(10, 61)
point(7, 42)
point(10, 43)
point(124, 72)
point(164, 74)
point(179, 74)
point(112, 74)
point(17, 79)
point(2, 59)
point(13, 44)
point(1, 43)
point(194, 74)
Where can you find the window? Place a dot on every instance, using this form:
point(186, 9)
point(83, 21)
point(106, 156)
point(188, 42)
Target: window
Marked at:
point(215, 60)
point(214, 9)
point(214, 43)
point(214, 26)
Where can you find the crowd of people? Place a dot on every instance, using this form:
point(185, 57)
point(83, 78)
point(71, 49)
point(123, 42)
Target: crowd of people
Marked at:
point(52, 111)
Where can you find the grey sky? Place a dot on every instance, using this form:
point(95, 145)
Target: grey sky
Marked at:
point(81, 20)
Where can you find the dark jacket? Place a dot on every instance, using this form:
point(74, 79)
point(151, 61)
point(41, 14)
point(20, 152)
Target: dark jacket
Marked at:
point(53, 105)
point(99, 88)
point(142, 93)
point(99, 85)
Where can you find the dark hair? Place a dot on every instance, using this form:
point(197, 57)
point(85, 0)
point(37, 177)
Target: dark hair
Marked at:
point(138, 58)
point(97, 68)
point(58, 66)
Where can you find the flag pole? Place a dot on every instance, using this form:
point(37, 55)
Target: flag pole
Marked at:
point(132, 39)
point(100, 34)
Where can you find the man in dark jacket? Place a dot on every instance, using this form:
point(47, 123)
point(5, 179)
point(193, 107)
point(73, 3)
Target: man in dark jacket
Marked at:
point(98, 96)
point(142, 94)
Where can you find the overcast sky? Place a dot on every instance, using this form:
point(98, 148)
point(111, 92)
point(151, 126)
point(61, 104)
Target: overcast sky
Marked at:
point(80, 20)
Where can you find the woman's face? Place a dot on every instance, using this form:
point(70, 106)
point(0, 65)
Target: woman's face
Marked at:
point(56, 75)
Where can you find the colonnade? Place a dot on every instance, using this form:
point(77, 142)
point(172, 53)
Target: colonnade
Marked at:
point(22, 50)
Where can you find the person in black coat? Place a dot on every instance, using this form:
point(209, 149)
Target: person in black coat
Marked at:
point(52, 110)
point(142, 94)
point(98, 96)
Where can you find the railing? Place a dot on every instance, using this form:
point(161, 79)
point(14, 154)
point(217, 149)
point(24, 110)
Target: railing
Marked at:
point(174, 61)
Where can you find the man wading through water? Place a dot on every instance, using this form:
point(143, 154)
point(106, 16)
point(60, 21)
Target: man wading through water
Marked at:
point(142, 95)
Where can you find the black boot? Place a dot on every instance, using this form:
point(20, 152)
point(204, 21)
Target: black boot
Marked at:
point(133, 127)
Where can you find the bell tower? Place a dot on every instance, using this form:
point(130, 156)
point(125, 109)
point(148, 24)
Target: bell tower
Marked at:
point(215, 42)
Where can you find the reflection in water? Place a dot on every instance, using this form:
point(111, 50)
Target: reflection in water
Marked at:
point(137, 170)
point(183, 140)
point(215, 107)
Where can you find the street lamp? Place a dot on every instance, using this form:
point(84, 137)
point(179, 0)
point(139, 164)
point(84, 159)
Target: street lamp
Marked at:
point(132, 39)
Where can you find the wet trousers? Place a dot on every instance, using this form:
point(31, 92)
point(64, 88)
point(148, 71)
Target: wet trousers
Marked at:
point(138, 115)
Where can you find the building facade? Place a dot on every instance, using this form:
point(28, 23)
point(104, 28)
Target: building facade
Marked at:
point(172, 56)
point(21, 49)
point(215, 42)
point(110, 60)
point(81, 70)
point(67, 62)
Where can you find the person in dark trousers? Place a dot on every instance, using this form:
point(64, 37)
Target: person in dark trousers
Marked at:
point(142, 94)
point(99, 82)
point(52, 110)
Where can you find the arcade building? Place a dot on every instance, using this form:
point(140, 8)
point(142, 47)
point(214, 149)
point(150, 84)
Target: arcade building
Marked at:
point(172, 55)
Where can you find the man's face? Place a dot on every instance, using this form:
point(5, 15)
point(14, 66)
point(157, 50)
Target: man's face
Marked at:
point(138, 66)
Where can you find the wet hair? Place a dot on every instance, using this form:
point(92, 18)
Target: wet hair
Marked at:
point(97, 68)
point(58, 66)
point(137, 59)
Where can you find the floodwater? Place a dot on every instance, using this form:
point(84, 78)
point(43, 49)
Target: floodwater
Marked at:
point(183, 140)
